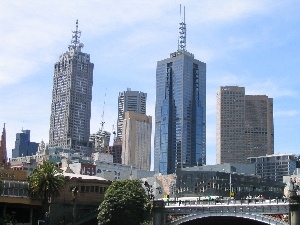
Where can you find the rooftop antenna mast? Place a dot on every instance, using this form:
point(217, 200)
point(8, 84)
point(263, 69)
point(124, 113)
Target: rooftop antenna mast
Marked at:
point(76, 36)
point(182, 32)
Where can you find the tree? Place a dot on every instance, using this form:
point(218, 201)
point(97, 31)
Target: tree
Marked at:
point(45, 182)
point(125, 202)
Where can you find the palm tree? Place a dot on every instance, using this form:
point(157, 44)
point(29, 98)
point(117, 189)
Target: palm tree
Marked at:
point(45, 182)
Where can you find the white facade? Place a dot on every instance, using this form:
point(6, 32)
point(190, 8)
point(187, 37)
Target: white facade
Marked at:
point(274, 167)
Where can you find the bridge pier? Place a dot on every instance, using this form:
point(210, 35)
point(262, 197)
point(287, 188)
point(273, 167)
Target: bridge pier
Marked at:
point(294, 214)
point(158, 212)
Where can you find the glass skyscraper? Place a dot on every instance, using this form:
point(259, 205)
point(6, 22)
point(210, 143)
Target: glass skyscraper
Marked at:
point(180, 112)
point(71, 98)
point(23, 145)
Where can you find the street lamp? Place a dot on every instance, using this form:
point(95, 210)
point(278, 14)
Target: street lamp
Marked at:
point(230, 183)
point(74, 191)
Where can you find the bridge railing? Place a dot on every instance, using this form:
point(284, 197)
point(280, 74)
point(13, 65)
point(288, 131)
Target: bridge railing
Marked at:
point(226, 202)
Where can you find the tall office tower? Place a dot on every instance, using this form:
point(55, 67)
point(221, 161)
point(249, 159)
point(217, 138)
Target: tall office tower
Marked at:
point(71, 98)
point(136, 147)
point(134, 101)
point(259, 126)
point(23, 146)
point(231, 124)
point(244, 125)
point(180, 111)
point(3, 151)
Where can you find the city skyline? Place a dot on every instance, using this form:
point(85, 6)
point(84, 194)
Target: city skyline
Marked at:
point(254, 44)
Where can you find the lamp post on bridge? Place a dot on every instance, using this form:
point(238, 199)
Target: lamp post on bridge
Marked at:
point(230, 182)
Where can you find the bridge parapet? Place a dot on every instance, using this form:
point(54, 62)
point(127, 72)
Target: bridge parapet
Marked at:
point(264, 210)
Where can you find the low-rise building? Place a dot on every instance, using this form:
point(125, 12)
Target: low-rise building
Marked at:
point(82, 193)
point(275, 166)
point(16, 202)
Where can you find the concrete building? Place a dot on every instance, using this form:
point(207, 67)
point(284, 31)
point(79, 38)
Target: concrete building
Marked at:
point(16, 201)
point(3, 151)
point(136, 148)
point(241, 168)
point(116, 151)
point(23, 145)
point(192, 182)
point(244, 125)
point(90, 193)
point(259, 125)
point(134, 101)
point(180, 111)
point(100, 141)
point(275, 166)
point(71, 99)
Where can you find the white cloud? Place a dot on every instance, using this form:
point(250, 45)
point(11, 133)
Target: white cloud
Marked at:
point(270, 88)
point(287, 113)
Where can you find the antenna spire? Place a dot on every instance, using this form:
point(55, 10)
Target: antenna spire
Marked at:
point(76, 36)
point(182, 32)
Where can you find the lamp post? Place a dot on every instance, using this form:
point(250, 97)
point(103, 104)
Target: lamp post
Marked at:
point(230, 183)
point(74, 191)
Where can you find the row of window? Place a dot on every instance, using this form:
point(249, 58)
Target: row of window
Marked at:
point(96, 189)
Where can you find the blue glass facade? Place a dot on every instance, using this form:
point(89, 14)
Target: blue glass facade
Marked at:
point(180, 113)
point(23, 146)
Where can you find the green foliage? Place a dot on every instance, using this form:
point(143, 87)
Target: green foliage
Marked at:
point(46, 181)
point(7, 220)
point(125, 203)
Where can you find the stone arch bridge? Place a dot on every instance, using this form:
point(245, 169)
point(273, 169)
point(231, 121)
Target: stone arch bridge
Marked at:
point(275, 212)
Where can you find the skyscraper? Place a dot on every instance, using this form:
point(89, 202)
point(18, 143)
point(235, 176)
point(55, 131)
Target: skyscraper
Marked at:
point(134, 101)
point(23, 146)
point(180, 111)
point(3, 151)
point(136, 148)
point(244, 125)
point(230, 124)
point(259, 125)
point(71, 98)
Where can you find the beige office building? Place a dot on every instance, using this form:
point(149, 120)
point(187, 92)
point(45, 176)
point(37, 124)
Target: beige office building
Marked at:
point(136, 146)
point(244, 125)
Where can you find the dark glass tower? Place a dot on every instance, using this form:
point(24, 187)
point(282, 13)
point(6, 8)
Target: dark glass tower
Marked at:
point(180, 112)
point(71, 98)
point(23, 145)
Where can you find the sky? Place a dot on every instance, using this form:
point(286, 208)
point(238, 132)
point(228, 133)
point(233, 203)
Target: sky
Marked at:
point(250, 43)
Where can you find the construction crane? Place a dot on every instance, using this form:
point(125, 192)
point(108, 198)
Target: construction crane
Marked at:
point(102, 116)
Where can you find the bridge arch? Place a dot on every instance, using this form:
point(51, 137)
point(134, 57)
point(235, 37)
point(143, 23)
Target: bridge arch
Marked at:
point(256, 217)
